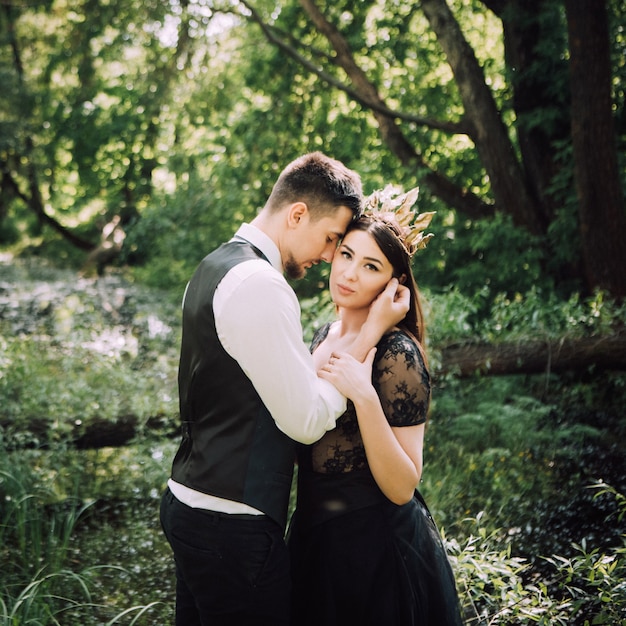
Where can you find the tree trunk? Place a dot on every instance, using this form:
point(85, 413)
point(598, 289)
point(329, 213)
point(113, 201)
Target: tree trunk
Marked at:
point(96, 434)
point(488, 130)
point(535, 357)
point(524, 26)
point(602, 216)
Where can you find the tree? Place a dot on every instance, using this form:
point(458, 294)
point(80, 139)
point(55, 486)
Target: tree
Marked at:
point(520, 131)
point(602, 217)
point(108, 107)
point(87, 89)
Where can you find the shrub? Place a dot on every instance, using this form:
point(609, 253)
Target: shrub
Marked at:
point(497, 588)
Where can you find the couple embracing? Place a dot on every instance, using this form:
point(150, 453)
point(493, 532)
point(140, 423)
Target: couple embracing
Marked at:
point(361, 547)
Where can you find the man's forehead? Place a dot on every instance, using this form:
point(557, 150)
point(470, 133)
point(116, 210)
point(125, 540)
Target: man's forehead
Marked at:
point(343, 217)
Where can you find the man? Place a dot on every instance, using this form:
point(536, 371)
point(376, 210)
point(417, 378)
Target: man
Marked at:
point(248, 390)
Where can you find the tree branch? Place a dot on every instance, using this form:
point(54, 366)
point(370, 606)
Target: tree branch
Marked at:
point(366, 94)
point(278, 38)
point(489, 132)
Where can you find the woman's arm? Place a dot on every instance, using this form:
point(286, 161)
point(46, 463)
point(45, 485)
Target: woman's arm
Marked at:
point(394, 454)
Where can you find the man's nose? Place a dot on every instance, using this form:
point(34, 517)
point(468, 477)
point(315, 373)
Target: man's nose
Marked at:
point(329, 253)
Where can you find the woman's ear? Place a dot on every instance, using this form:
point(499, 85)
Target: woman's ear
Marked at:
point(402, 279)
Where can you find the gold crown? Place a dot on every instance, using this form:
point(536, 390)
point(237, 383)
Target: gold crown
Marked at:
point(393, 207)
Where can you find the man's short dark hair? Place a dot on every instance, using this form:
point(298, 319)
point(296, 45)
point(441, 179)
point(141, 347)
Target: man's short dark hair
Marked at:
point(322, 182)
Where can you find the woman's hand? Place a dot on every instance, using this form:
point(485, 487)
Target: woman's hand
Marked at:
point(386, 311)
point(351, 377)
point(391, 306)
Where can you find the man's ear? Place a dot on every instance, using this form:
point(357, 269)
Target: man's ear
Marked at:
point(297, 212)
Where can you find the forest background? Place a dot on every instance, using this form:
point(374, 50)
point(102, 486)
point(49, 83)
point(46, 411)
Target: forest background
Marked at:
point(135, 137)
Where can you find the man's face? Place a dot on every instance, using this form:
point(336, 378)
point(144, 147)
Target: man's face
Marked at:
point(314, 241)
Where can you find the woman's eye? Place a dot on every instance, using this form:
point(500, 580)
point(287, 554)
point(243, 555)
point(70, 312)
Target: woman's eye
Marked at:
point(369, 266)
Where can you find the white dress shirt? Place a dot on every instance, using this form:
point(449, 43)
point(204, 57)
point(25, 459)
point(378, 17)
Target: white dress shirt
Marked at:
point(257, 317)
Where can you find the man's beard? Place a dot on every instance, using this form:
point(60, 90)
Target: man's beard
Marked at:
point(294, 270)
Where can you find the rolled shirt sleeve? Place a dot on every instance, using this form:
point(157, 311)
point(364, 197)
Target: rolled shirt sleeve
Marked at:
point(257, 317)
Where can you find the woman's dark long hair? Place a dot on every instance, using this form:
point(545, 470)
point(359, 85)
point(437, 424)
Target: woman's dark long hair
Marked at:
point(388, 237)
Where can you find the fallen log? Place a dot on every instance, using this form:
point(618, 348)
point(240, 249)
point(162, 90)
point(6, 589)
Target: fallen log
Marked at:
point(96, 434)
point(462, 360)
point(534, 356)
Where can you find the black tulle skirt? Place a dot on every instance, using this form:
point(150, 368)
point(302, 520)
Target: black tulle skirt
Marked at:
point(373, 565)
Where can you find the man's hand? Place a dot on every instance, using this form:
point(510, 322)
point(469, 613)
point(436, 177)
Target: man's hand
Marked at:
point(390, 307)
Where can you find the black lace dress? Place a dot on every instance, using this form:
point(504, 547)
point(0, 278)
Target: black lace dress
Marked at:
point(357, 558)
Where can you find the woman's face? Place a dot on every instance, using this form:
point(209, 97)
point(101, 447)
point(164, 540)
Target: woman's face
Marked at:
point(360, 271)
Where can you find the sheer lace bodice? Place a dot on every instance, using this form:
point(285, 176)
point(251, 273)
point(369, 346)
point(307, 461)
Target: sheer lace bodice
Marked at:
point(356, 556)
point(402, 382)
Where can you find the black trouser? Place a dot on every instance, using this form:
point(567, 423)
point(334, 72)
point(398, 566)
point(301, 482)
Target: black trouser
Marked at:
point(231, 570)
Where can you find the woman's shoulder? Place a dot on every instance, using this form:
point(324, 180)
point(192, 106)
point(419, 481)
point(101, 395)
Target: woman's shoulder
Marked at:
point(398, 339)
point(398, 342)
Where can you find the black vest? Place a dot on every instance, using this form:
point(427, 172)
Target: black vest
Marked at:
point(231, 446)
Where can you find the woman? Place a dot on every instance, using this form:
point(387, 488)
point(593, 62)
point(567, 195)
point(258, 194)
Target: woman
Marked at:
point(364, 547)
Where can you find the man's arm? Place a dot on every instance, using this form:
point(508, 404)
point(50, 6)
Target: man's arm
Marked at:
point(257, 318)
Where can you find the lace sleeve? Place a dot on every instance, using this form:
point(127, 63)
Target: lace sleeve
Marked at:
point(402, 380)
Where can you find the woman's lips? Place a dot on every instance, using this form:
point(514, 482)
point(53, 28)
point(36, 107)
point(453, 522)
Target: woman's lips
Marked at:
point(345, 291)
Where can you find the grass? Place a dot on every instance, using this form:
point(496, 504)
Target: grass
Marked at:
point(79, 561)
point(91, 551)
point(524, 475)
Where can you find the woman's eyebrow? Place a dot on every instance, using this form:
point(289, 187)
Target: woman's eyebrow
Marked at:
point(367, 258)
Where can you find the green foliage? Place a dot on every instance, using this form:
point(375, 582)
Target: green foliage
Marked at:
point(483, 436)
point(43, 600)
point(451, 315)
point(496, 588)
point(490, 253)
point(98, 334)
point(173, 236)
point(178, 119)
point(36, 526)
point(97, 390)
point(47, 534)
point(491, 585)
point(509, 440)
point(80, 528)
point(593, 582)
point(37, 535)
point(541, 314)
point(537, 314)
point(315, 312)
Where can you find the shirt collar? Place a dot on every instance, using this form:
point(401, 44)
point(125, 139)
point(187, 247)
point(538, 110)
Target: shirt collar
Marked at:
point(258, 238)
